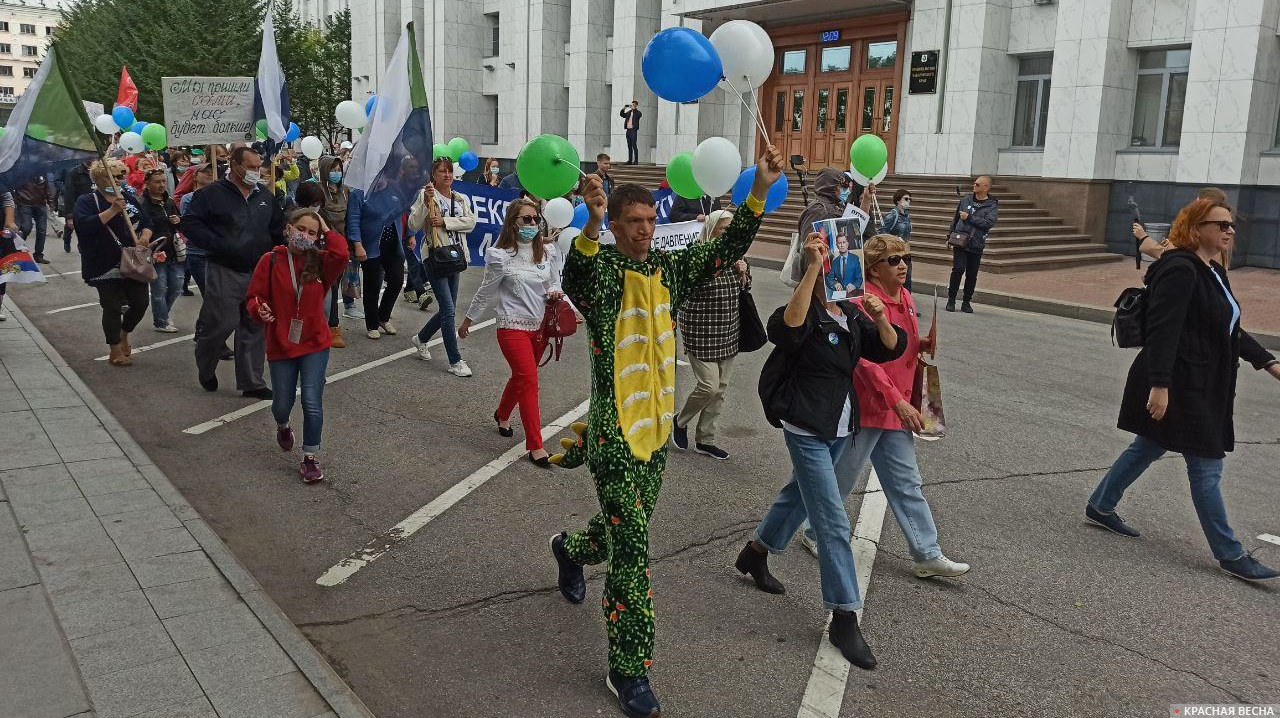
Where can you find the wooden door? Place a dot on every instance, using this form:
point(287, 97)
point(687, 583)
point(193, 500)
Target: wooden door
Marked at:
point(878, 112)
point(829, 143)
point(790, 109)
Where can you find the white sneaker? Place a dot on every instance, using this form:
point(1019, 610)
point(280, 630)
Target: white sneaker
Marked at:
point(353, 312)
point(389, 329)
point(167, 329)
point(809, 544)
point(374, 334)
point(411, 296)
point(423, 352)
point(940, 566)
point(460, 368)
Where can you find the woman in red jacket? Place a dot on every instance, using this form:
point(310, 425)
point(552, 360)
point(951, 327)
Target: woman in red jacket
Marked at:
point(288, 293)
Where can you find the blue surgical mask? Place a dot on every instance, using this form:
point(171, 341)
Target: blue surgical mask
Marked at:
point(335, 177)
point(108, 190)
point(844, 195)
point(528, 233)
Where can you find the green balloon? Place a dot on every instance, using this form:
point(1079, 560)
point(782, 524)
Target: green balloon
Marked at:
point(154, 136)
point(457, 146)
point(680, 176)
point(548, 167)
point(439, 150)
point(262, 129)
point(37, 132)
point(868, 154)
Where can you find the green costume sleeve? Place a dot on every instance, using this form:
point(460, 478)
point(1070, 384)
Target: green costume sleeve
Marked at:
point(580, 279)
point(687, 269)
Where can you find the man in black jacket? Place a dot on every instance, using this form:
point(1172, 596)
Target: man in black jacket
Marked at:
point(75, 184)
point(631, 124)
point(688, 210)
point(236, 221)
point(34, 199)
point(975, 216)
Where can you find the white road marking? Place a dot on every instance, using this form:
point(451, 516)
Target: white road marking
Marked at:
point(825, 691)
point(1270, 538)
point(61, 274)
point(373, 550)
point(260, 405)
point(67, 309)
point(157, 345)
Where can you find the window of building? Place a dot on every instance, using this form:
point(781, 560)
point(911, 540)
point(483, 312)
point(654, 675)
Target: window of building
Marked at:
point(28, 72)
point(6, 71)
point(27, 28)
point(48, 30)
point(492, 20)
point(29, 50)
point(836, 59)
point(793, 62)
point(491, 119)
point(6, 91)
point(1161, 93)
point(882, 54)
point(6, 48)
point(4, 27)
point(1031, 105)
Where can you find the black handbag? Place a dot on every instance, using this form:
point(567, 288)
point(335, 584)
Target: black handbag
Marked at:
point(751, 333)
point(1129, 327)
point(444, 259)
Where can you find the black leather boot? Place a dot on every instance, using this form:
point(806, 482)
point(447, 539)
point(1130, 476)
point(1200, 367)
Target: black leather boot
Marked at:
point(846, 636)
point(757, 564)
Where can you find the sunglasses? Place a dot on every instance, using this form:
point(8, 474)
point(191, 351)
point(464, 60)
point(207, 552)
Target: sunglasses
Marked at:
point(527, 219)
point(1224, 226)
point(896, 259)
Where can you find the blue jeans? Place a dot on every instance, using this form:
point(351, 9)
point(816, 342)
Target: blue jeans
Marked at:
point(892, 453)
point(813, 492)
point(446, 291)
point(165, 291)
point(196, 261)
point(416, 278)
point(1206, 493)
point(33, 215)
point(284, 382)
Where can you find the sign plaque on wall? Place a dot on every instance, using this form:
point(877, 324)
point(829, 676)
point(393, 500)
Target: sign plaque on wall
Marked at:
point(924, 72)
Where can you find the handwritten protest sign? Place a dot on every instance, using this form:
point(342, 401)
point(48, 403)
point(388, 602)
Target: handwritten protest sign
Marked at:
point(207, 110)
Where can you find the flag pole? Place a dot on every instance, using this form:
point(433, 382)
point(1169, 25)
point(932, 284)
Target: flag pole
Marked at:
point(118, 192)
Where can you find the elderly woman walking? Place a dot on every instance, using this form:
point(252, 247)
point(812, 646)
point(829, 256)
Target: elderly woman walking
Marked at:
point(710, 326)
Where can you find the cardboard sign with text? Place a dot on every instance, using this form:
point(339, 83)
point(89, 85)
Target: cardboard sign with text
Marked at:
point(208, 110)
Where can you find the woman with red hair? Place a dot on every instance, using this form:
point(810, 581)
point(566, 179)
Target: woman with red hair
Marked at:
point(1182, 384)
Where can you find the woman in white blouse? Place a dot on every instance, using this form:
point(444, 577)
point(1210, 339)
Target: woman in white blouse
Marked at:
point(521, 275)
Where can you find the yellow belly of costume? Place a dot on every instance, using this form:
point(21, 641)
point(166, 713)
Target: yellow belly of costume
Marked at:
point(644, 364)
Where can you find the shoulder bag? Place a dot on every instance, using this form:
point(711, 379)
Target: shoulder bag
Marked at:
point(444, 259)
point(751, 333)
point(135, 262)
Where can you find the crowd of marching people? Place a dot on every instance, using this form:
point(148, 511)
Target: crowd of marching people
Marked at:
point(280, 250)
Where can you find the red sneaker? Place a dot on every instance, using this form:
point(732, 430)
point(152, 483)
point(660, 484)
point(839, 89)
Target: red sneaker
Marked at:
point(310, 470)
point(284, 437)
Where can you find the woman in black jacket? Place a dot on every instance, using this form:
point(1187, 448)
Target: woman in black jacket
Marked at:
point(1182, 384)
point(162, 215)
point(806, 387)
point(102, 220)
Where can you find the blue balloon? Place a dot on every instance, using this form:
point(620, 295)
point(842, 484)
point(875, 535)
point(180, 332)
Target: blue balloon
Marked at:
point(580, 216)
point(370, 105)
point(293, 132)
point(138, 126)
point(123, 116)
point(773, 200)
point(681, 65)
point(469, 161)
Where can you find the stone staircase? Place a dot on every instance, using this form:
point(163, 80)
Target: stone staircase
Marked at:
point(1026, 238)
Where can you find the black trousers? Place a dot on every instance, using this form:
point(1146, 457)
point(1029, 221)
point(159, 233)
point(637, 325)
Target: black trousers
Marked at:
point(964, 263)
point(633, 151)
point(113, 295)
point(389, 267)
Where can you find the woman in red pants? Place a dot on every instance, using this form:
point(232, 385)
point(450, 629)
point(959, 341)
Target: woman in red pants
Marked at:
point(521, 276)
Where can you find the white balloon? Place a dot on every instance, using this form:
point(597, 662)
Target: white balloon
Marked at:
point(716, 165)
point(746, 53)
point(880, 177)
point(312, 147)
point(350, 115)
point(458, 171)
point(558, 212)
point(132, 143)
point(105, 124)
point(858, 177)
point(564, 242)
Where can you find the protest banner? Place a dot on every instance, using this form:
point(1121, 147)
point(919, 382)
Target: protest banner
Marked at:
point(208, 110)
point(667, 237)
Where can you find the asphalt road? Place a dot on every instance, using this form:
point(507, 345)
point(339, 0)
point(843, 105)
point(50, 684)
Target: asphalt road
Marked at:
point(462, 618)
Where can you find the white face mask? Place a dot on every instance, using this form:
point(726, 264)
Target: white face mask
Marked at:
point(905, 204)
point(252, 177)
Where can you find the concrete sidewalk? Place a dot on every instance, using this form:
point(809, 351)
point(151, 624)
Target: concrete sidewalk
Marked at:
point(116, 599)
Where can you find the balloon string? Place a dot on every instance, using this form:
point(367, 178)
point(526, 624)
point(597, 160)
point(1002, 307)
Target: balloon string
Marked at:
point(755, 115)
point(875, 207)
point(576, 167)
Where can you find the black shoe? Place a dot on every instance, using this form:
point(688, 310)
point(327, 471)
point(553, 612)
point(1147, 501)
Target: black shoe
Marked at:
point(712, 450)
point(967, 308)
point(951, 305)
point(1249, 568)
point(845, 635)
point(757, 564)
point(263, 393)
point(227, 355)
point(66, 248)
point(187, 292)
point(542, 463)
point(41, 260)
point(573, 586)
point(635, 696)
point(210, 384)
point(1111, 522)
point(507, 432)
point(680, 436)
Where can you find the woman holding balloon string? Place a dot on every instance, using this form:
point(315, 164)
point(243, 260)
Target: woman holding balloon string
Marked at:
point(447, 216)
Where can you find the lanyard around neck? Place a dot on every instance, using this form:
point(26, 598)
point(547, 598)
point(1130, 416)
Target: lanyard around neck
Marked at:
point(297, 288)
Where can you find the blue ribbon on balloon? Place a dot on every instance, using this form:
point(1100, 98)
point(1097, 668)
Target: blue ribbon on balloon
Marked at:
point(773, 200)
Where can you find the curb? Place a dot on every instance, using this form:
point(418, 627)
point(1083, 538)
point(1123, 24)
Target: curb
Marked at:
point(1036, 305)
point(344, 702)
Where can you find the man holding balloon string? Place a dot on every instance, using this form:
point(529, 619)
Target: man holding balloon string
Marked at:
point(630, 296)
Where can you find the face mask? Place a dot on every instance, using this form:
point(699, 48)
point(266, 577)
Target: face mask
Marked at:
point(844, 195)
point(252, 177)
point(108, 190)
point(905, 204)
point(493, 171)
point(335, 177)
point(528, 233)
point(300, 241)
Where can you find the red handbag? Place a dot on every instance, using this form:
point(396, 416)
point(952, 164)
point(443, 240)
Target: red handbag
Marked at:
point(558, 322)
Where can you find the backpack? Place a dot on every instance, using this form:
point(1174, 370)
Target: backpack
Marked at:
point(558, 322)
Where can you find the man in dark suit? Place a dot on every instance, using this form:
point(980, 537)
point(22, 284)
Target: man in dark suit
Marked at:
point(846, 270)
point(631, 123)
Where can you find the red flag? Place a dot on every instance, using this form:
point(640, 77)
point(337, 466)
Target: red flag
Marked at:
point(128, 92)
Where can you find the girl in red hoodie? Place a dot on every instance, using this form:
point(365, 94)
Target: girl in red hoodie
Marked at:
point(288, 293)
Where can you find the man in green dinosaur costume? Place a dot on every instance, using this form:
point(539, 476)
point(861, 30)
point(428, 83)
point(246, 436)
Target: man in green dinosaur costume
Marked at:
point(629, 297)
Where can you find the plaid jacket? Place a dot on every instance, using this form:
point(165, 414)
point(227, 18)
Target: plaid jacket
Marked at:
point(709, 320)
